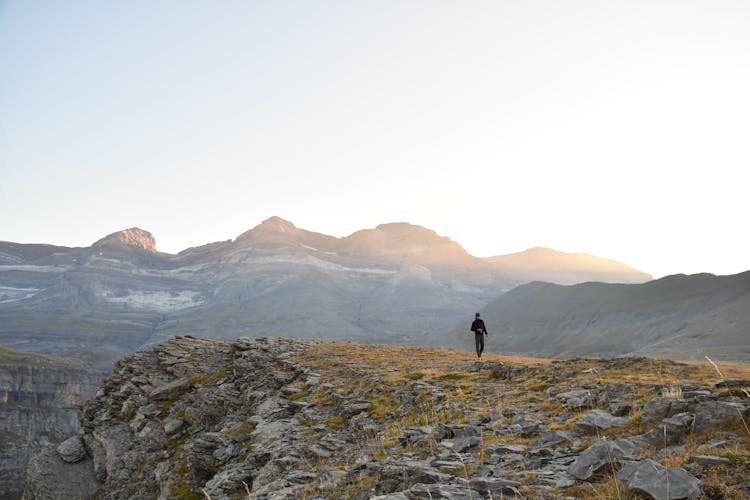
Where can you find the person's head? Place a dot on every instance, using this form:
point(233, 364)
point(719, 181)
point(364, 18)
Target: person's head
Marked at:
point(477, 315)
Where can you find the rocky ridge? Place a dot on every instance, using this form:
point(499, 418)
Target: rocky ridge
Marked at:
point(287, 418)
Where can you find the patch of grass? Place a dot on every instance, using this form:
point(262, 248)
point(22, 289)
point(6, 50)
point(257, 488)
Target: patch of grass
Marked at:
point(452, 376)
point(183, 491)
point(415, 375)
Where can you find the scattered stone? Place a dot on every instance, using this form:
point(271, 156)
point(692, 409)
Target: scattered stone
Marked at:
point(671, 431)
point(710, 414)
point(495, 487)
point(72, 450)
point(603, 452)
point(659, 408)
point(552, 438)
point(357, 407)
point(659, 482)
point(579, 398)
point(709, 460)
point(598, 420)
point(714, 443)
point(732, 382)
point(620, 409)
point(433, 491)
point(171, 390)
point(466, 443)
point(172, 425)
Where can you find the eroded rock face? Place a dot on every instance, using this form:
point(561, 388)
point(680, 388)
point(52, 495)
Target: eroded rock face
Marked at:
point(40, 397)
point(134, 237)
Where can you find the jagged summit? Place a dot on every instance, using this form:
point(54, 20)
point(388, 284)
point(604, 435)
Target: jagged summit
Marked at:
point(133, 237)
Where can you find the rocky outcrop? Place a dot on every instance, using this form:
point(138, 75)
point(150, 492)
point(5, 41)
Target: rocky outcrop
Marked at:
point(40, 398)
point(287, 418)
point(133, 237)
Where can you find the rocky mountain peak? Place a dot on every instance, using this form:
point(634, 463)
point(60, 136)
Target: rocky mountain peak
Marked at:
point(133, 237)
point(273, 229)
point(404, 241)
point(278, 224)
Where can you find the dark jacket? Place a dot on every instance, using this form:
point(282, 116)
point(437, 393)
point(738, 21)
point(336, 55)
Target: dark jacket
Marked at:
point(478, 327)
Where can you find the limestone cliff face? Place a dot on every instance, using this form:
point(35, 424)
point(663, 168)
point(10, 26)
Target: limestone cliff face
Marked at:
point(287, 419)
point(40, 398)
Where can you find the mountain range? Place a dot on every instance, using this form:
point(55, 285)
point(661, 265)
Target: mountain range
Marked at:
point(397, 283)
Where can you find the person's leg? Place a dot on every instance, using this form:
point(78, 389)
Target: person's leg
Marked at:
point(479, 341)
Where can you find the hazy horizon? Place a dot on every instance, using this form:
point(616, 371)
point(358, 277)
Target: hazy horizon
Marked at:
point(616, 130)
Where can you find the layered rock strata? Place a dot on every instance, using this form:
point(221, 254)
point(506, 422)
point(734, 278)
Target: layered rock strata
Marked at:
point(40, 399)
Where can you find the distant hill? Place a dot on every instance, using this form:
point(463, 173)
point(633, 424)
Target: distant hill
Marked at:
point(397, 283)
point(684, 317)
point(546, 264)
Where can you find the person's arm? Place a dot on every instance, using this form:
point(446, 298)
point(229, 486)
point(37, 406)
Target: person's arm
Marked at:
point(484, 327)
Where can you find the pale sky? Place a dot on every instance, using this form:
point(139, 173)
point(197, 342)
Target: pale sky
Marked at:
point(619, 129)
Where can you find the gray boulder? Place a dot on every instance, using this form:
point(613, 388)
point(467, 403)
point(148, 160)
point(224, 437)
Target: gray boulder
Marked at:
point(732, 382)
point(603, 452)
point(671, 431)
point(717, 413)
point(659, 408)
point(575, 399)
point(171, 390)
point(72, 450)
point(659, 482)
point(597, 420)
point(466, 443)
point(48, 477)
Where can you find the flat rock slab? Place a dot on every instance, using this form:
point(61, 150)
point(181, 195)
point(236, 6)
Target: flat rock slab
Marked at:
point(597, 420)
point(661, 483)
point(599, 454)
point(717, 413)
point(732, 382)
point(171, 390)
point(575, 399)
point(448, 491)
point(710, 460)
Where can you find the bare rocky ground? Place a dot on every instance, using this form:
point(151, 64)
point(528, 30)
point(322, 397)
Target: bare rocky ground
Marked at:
point(280, 418)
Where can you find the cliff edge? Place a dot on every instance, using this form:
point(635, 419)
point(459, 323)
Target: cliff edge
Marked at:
point(280, 418)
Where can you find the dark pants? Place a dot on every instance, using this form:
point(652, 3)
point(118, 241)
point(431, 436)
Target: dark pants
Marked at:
point(479, 339)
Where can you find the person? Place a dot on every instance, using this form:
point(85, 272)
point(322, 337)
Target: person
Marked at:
point(477, 326)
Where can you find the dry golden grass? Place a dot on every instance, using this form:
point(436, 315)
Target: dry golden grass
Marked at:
point(396, 377)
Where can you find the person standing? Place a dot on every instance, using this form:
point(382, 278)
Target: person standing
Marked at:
point(477, 326)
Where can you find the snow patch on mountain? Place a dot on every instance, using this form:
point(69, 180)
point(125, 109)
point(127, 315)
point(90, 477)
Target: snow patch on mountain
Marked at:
point(158, 300)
